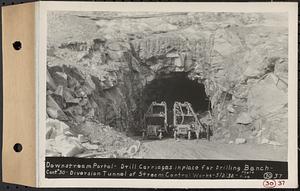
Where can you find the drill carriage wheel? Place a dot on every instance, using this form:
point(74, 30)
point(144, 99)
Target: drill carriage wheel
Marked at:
point(160, 135)
point(189, 135)
point(197, 134)
point(175, 135)
point(208, 133)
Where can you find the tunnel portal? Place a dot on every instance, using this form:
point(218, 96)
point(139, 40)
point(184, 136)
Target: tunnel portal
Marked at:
point(176, 87)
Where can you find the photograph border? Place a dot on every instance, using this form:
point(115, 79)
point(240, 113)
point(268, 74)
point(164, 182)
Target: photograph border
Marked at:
point(41, 49)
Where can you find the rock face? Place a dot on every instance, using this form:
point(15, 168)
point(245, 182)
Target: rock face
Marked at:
point(100, 76)
point(265, 98)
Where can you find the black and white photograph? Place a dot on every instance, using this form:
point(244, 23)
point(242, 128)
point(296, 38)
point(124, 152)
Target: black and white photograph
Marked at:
point(167, 85)
point(150, 95)
point(182, 95)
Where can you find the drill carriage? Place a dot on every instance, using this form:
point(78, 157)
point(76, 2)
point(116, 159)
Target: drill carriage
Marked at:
point(155, 120)
point(185, 122)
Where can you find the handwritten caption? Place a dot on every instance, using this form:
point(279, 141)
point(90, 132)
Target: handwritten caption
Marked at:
point(273, 183)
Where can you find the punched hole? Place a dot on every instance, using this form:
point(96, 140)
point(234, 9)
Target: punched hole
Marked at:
point(17, 45)
point(18, 147)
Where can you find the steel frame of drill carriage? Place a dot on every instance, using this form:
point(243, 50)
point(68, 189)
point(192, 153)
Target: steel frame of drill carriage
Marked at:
point(155, 120)
point(186, 122)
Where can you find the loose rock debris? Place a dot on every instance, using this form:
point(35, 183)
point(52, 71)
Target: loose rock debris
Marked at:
point(97, 140)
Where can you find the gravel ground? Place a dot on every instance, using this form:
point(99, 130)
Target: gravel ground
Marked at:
point(203, 149)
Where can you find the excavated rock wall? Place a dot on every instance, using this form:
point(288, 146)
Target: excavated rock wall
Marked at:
point(240, 58)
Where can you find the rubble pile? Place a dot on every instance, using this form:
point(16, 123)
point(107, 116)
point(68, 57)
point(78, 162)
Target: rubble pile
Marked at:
point(73, 126)
point(96, 140)
point(99, 77)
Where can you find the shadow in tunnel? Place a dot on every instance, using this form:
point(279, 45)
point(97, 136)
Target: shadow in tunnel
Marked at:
point(177, 87)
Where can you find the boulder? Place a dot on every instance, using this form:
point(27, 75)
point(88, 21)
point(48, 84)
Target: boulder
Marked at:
point(189, 64)
point(74, 110)
point(55, 128)
point(68, 96)
point(115, 55)
point(73, 101)
point(79, 93)
point(68, 133)
point(90, 146)
point(59, 91)
point(72, 82)
point(172, 55)
point(79, 119)
point(50, 82)
point(230, 108)
point(74, 46)
point(109, 82)
point(50, 102)
point(115, 45)
point(89, 86)
point(133, 149)
point(52, 113)
point(50, 153)
point(240, 93)
point(275, 143)
point(179, 65)
point(60, 78)
point(54, 107)
point(51, 150)
point(240, 141)
point(244, 118)
point(264, 141)
point(84, 101)
point(82, 138)
point(68, 146)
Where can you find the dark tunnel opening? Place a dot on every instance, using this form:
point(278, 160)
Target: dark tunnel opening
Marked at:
point(176, 87)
